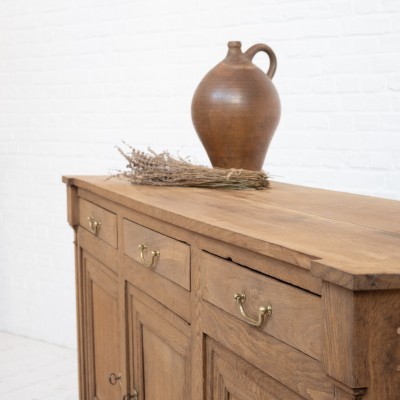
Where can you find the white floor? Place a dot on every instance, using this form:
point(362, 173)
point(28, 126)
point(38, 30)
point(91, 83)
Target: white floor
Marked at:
point(34, 370)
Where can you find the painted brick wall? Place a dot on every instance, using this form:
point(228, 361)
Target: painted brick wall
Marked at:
point(78, 77)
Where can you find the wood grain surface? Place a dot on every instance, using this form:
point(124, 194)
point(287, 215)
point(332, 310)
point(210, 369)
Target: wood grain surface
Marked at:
point(296, 314)
point(173, 261)
point(108, 220)
point(327, 262)
point(291, 367)
point(349, 240)
point(159, 348)
point(229, 374)
point(360, 340)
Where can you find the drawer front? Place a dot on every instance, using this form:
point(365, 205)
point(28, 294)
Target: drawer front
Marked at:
point(99, 221)
point(161, 254)
point(296, 315)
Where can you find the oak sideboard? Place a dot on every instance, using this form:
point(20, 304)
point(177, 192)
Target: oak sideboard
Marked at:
point(288, 293)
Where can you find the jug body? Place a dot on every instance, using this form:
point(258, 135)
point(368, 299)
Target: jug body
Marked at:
point(236, 109)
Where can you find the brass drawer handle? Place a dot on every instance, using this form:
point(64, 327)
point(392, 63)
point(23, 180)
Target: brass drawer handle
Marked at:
point(114, 378)
point(262, 311)
point(94, 225)
point(154, 255)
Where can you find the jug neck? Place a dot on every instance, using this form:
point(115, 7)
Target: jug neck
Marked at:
point(235, 54)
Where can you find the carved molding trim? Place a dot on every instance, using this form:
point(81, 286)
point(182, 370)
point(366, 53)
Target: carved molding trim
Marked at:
point(343, 392)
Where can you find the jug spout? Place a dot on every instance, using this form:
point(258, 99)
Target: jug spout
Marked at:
point(234, 44)
point(234, 50)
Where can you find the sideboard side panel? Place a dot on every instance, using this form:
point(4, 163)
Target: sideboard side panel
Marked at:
point(361, 344)
point(72, 205)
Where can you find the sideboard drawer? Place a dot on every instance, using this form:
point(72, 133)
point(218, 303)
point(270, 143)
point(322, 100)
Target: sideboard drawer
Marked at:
point(99, 221)
point(296, 315)
point(162, 254)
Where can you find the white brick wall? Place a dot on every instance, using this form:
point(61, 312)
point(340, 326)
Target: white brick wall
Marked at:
point(78, 77)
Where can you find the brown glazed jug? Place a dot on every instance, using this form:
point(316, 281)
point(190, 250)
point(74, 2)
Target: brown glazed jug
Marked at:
point(236, 109)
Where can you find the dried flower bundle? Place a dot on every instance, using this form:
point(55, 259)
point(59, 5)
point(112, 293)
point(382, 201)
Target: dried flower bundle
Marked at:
point(165, 170)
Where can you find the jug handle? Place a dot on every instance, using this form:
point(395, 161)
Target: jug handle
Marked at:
point(253, 50)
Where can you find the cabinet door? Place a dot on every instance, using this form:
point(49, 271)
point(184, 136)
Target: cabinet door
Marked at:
point(100, 363)
point(159, 349)
point(229, 377)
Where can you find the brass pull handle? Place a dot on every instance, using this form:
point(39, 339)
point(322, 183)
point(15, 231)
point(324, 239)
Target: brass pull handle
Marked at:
point(94, 225)
point(154, 255)
point(114, 378)
point(262, 311)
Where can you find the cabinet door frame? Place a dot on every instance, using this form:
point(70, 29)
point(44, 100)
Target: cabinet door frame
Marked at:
point(228, 376)
point(144, 312)
point(89, 273)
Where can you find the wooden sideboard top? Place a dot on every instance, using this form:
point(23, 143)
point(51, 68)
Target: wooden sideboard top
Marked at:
point(347, 239)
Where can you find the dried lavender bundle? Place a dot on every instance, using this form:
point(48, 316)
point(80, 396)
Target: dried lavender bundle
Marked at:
point(165, 170)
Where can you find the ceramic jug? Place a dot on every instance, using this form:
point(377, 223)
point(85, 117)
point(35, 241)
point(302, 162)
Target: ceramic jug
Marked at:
point(236, 109)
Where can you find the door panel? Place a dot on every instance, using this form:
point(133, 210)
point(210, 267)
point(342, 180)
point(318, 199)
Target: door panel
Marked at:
point(101, 332)
point(161, 362)
point(159, 348)
point(229, 377)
